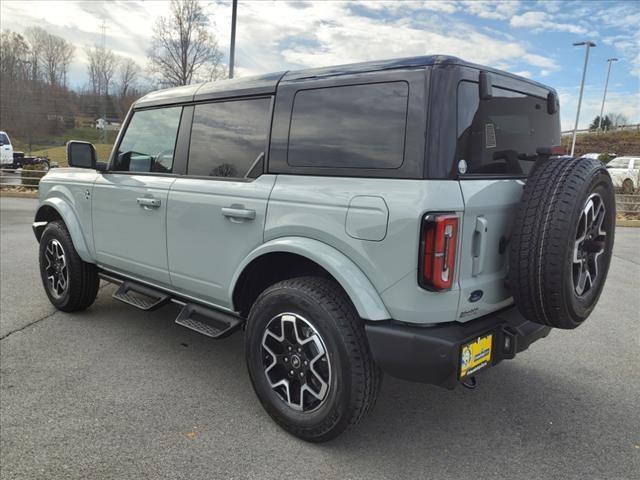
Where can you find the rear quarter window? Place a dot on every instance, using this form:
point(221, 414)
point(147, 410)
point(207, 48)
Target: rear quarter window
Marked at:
point(353, 126)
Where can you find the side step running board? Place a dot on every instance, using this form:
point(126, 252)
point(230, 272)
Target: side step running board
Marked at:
point(140, 296)
point(209, 322)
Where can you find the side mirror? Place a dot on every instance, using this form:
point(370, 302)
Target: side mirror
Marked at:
point(81, 154)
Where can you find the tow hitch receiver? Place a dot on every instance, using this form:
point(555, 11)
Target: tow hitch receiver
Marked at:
point(470, 382)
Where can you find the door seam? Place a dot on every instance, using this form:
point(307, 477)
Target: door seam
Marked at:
point(166, 232)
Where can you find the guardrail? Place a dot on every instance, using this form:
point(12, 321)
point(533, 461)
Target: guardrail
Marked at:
point(628, 203)
point(618, 128)
point(18, 177)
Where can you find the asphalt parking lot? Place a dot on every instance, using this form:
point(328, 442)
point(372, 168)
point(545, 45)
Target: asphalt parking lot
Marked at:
point(119, 393)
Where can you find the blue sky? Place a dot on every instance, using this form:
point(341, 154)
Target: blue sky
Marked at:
point(531, 38)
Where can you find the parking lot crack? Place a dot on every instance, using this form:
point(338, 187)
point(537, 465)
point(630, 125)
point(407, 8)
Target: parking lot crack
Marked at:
point(28, 325)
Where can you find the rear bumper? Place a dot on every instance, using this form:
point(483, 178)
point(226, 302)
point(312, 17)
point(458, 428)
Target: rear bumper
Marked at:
point(432, 354)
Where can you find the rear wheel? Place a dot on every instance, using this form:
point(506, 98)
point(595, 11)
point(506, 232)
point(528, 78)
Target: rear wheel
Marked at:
point(70, 283)
point(308, 358)
point(562, 241)
point(627, 186)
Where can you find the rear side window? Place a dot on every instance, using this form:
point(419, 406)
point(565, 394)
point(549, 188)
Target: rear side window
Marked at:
point(501, 135)
point(227, 138)
point(149, 142)
point(355, 126)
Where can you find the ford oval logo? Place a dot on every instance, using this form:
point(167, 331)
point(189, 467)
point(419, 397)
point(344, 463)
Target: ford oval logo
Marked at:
point(475, 296)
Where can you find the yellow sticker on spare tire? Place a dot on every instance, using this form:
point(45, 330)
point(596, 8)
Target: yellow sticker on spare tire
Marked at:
point(475, 355)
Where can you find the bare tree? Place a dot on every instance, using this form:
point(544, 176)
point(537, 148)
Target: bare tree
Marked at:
point(36, 37)
point(21, 110)
point(183, 50)
point(101, 69)
point(51, 56)
point(128, 73)
point(617, 119)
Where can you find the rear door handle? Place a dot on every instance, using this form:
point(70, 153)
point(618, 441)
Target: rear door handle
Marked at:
point(237, 213)
point(148, 202)
point(479, 246)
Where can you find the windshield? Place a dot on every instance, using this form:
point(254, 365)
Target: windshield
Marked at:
point(4, 139)
point(618, 163)
point(500, 136)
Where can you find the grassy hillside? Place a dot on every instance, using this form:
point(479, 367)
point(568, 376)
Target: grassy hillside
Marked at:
point(86, 134)
point(621, 143)
point(59, 154)
point(54, 145)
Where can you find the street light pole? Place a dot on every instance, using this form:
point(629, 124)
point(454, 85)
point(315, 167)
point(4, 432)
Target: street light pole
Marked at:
point(232, 52)
point(604, 95)
point(584, 74)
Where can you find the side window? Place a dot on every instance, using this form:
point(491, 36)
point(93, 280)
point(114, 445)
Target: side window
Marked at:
point(149, 142)
point(227, 138)
point(354, 126)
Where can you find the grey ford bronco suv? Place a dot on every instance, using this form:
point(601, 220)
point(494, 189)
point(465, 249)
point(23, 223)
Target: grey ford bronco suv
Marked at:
point(411, 216)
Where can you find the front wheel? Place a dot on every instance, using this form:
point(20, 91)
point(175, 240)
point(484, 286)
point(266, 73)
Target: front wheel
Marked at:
point(308, 358)
point(70, 283)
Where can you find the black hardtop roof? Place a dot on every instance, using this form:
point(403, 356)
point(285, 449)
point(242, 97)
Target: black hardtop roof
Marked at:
point(266, 84)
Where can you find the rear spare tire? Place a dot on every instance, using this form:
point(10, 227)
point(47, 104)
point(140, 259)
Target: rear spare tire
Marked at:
point(562, 240)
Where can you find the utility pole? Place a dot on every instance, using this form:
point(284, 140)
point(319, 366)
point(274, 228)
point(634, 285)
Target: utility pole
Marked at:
point(584, 74)
point(604, 95)
point(103, 133)
point(232, 52)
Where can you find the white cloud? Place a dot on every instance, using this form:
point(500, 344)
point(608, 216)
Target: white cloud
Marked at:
point(445, 6)
point(306, 37)
point(528, 19)
point(539, 21)
point(626, 103)
point(491, 10)
point(540, 61)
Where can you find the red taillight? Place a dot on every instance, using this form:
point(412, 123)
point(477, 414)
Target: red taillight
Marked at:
point(438, 251)
point(549, 151)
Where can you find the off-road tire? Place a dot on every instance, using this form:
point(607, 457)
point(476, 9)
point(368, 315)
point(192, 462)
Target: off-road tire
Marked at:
point(355, 380)
point(541, 257)
point(83, 280)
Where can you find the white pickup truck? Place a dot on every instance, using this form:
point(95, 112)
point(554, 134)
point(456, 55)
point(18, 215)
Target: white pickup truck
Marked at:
point(6, 150)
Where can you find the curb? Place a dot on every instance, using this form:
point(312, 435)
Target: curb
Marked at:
point(19, 194)
point(627, 223)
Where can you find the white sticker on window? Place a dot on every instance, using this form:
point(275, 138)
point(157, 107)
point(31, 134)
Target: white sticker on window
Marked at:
point(490, 135)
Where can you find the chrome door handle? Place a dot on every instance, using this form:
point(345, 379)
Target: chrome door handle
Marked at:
point(148, 202)
point(238, 213)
